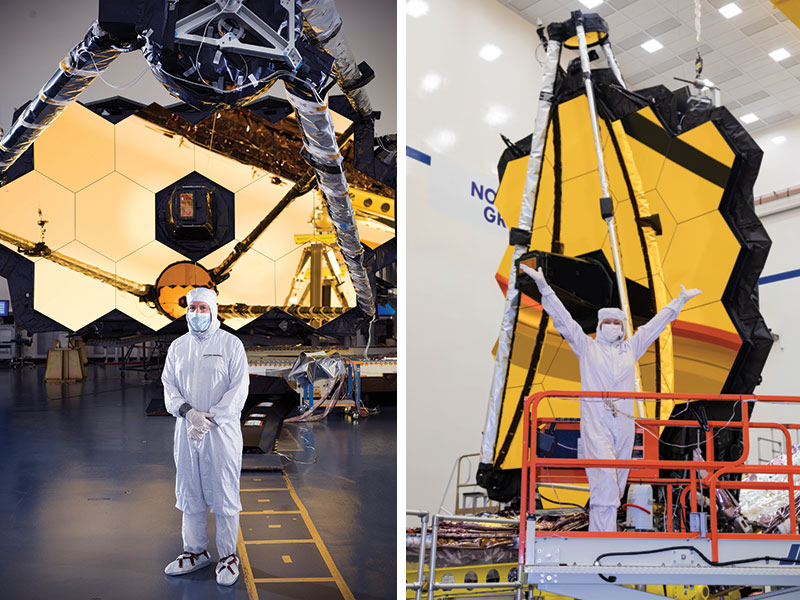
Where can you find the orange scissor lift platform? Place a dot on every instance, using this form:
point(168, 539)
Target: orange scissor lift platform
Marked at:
point(597, 565)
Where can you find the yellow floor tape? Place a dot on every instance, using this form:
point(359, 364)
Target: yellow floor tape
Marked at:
point(247, 571)
point(340, 583)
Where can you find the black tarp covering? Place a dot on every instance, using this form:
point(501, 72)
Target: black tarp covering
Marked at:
point(279, 324)
point(378, 259)
point(741, 293)
point(354, 319)
point(18, 271)
point(115, 325)
point(347, 324)
point(269, 108)
point(114, 109)
point(23, 164)
point(365, 155)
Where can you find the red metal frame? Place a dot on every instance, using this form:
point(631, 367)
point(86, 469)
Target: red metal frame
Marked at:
point(537, 470)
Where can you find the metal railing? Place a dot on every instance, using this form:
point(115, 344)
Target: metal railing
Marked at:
point(470, 488)
point(537, 470)
point(417, 585)
point(433, 585)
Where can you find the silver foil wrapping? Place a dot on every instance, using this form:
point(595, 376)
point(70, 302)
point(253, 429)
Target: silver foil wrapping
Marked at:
point(308, 369)
point(78, 69)
point(503, 355)
point(325, 28)
point(612, 63)
point(319, 140)
point(768, 507)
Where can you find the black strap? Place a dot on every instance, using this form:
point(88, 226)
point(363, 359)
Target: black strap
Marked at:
point(607, 207)
point(526, 388)
point(366, 75)
point(557, 247)
point(653, 221)
point(648, 267)
point(226, 562)
point(519, 237)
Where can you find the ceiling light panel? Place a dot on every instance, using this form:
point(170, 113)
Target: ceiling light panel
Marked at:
point(730, 10)
point(490, 52)
point(417, 8)
point(652, 46)
point(779, 54)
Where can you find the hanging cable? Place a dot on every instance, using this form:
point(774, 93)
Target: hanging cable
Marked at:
point(447, 488)
point(713, 563)
point(578, 506)
point(698, 61)
point(122, 87)
point(369, 336)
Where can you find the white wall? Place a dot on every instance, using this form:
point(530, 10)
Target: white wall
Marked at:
point(779, 165)
point(778, 305)
point(457, 105)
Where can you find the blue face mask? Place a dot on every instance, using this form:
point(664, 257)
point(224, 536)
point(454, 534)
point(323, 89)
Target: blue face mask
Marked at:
point(198, 321)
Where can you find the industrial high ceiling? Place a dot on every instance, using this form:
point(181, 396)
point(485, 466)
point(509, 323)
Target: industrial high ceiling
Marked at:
point(37, 35)
point(735, 51)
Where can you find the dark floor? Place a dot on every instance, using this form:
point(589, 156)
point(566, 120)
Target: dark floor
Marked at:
point(87, 499)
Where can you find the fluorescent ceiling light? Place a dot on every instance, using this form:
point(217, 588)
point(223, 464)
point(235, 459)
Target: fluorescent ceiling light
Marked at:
point(730, 10)
point(490, 52)
point(431, 82)
point(417, 8)
point(497, 115)
point(441, 140)
point(778, 139)
point(779, 54)
point(652, 46)
point(748, 118)
point(591, 3)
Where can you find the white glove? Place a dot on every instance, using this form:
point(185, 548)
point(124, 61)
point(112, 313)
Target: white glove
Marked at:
point(200, 420)
point(196, 434)
point(537, 275)
point(686, 295)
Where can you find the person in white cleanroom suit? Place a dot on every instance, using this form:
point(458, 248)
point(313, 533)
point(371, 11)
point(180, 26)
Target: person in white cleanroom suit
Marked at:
point(607, 364)
point(206, 378)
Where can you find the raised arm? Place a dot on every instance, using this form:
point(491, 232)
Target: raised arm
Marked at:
point(649, 332)
point(562, 320)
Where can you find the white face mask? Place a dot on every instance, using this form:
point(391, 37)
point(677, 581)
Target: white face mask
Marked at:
point(198, 321)
point(610, 333)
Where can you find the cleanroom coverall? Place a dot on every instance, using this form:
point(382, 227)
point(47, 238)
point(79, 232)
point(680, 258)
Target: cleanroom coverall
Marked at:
point(607, 428)
point(209, 371)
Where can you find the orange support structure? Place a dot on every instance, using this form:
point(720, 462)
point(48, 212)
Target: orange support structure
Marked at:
point(537, 469)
